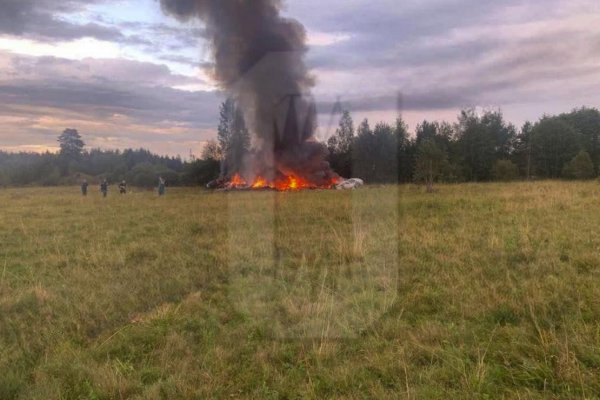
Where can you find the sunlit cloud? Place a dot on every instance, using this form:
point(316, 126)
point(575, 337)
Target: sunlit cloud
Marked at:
point(326, 39)
point(72, 50)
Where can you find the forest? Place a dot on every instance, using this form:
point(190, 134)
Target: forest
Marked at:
point(478, 147)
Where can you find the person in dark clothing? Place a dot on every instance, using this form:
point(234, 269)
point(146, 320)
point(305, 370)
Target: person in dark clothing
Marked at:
point(84, 187)
point(104, 187)
point(161, 186)
point(123, 187)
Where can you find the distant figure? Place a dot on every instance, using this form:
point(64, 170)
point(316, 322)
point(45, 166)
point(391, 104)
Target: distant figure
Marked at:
point(123, 187)
point(104, 187)
point(84, 186)
point(161, 186)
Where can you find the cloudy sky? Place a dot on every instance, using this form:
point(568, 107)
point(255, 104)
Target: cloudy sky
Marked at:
point(125, 75)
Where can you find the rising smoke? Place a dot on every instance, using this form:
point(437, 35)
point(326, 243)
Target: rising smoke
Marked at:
point(259, 60)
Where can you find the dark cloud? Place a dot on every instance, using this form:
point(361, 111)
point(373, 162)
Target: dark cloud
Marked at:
point(147, 105)
point(99, 94)
point(456, 53)
point(44, 20)
point(103, 87)
point(399, 34)
point(166, 40)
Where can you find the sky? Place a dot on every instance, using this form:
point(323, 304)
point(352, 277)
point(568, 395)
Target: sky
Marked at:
point(126, 75)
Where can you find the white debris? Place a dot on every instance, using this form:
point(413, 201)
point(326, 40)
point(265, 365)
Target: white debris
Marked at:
point(350, 184)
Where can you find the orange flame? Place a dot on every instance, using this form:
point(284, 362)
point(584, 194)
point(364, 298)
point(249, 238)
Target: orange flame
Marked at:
point(260, 183)
point(292, 182)
point(285, 183)
point(237, 181)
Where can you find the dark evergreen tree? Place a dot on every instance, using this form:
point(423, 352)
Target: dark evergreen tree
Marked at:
point(234, 138)
point(71, 148)
point(523, 150)
point(340, 146)
point(431, 163)
point(587, 123)
point(554, 143)
point(71, 144)
point(483, 140)
point(226, 119)
point(375, 155)
point(405, 151)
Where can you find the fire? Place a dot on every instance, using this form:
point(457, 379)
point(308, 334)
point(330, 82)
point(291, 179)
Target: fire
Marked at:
point(260, 183)
point(292, 182)
point(237, 181)
point(282, 184)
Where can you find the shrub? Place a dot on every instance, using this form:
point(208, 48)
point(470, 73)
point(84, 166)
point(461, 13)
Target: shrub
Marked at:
point(51, 177)
point(580, 167)
point(505, 170)
point(201, 171)
point(146, 175)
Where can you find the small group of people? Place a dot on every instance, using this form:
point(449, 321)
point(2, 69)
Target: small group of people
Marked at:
point(122, 187)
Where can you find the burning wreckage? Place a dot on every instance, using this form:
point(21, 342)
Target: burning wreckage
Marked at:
point(259, 62)
point(288, 183)
point(281, 168)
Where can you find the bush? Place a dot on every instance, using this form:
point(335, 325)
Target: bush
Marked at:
point(453, 173)
point(580, 167)
point(146, 175)
point(505, 170)
point(201, 172)
point(51, 177)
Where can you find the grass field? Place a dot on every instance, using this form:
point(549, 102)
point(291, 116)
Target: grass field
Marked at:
point(475, 292)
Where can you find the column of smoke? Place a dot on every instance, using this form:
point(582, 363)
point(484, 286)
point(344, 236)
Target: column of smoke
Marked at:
point(259, 60)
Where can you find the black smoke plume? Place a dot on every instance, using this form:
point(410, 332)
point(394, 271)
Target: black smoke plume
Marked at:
point(259, 60)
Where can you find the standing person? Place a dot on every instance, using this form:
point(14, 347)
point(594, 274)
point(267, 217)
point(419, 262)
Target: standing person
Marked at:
point(161, 186)
point(123, 187)
point(104, 187)
point(84, 187)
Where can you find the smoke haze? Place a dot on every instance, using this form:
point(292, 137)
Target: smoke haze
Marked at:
point(259, 61)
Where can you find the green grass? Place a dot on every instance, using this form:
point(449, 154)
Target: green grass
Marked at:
point(474, 292)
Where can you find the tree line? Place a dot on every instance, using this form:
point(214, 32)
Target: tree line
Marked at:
point(139, 167)
point(478, 147)
point(73, 163)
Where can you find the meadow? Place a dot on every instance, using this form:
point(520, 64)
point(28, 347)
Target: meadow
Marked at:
point(477, 291)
